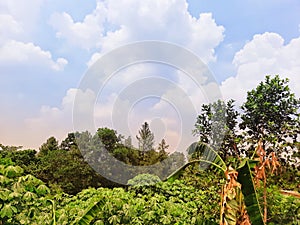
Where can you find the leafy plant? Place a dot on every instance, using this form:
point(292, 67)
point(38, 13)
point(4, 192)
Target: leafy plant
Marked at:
point(236, 213)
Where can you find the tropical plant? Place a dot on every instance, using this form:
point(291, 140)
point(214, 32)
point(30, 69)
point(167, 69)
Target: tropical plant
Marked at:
point(239, 198)
point(22, 198)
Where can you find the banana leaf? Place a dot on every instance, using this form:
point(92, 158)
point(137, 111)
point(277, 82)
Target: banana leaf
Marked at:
point(200, 153)
point(90, 214)
point(249, 192)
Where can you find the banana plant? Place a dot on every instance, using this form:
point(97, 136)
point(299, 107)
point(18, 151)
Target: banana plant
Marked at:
point(239, 202)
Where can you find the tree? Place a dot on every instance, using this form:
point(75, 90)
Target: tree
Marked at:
point(69, 142)
point(50, 145)
point(162, 146)
point(128, 142)
point(271, 115)
point(145, 138)
point(216, 125)
point(108, 137)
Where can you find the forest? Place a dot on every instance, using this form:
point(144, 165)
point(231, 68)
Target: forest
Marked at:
point(244, 169)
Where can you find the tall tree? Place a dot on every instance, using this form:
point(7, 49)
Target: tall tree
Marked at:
point(145, 138)
point(271, 115)
point(163, 146)
point(216, 125)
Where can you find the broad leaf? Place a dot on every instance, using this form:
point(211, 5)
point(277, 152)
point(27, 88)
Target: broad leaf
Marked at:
point(250, 196)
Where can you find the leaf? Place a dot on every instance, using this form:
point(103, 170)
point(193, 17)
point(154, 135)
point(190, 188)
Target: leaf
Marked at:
point(4, 180)
point(8, 211)
point(99, 222)
point(28, 196)
point(4, 194)
point(114, 219)
point(250, 196)
point(90, 214)
point(211, 157)
point(42, 190)
point(13, 171)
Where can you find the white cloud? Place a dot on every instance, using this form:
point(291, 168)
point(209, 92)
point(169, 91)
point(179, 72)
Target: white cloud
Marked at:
point(18, 18)
point(265, 54)
point(9, 27)
point(110, 26)
point(19, 53)
point(86, 34)
point(18, 22)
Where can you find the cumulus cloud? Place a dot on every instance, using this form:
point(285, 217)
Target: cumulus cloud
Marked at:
point(18, 18)
point(9, 27)
point(110, 26)
point(14, 52)
point(18, 22)
point(85, 34)
point(265, 54)
point(105, 28)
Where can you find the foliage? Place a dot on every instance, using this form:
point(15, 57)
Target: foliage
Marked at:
point(249, 192)
point(191, 195)
point(68, 169)
point(163, 203)
point(22, 198)
point(233, 206)
point(282, 209)
point(271, 115)
point(163, 146)
point(108, 137)
point(216, 125)
point(50, 145)
point(145, 138)
point(144, 179)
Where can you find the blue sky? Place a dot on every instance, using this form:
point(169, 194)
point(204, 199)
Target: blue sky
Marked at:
point(46, 47)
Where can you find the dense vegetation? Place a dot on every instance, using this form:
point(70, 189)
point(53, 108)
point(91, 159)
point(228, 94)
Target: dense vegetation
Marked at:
point(55, 185)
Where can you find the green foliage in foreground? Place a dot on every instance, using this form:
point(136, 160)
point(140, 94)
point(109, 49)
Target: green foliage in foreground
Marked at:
point(193, 199)
point(164, 203)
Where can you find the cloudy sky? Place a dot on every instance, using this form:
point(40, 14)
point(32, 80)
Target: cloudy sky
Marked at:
point(47, 48)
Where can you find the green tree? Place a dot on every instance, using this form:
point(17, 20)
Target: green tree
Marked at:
point(69, 142)
point(163, 146)
point(216, 125)
point(145, 138)
point(50, 145)
point(271, 115)
point(108, 137)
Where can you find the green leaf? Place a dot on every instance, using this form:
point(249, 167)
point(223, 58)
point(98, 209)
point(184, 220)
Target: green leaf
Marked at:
point(90, 214)
point(8, 211)
point(211, 157)
point(114, 219)
point(28, 196)
point(4, 180)
point(13, 171)
point(42, 189)
point(250, 196)
point(4, 194)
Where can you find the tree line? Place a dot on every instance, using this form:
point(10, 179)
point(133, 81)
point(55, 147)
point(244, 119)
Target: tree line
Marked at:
point(270, 116)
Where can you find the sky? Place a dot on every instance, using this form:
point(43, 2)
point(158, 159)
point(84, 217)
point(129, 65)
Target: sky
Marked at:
point(47, 48)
